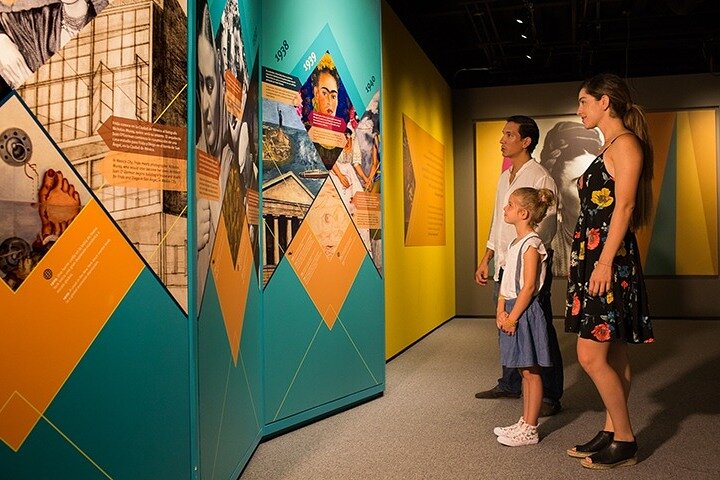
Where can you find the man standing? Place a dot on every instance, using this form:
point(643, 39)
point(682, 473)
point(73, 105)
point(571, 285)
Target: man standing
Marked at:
point(519, 137)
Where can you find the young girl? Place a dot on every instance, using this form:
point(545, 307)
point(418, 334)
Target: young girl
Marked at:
point(524, 342)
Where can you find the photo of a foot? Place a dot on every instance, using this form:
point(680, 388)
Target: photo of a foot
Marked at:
point(40, 194)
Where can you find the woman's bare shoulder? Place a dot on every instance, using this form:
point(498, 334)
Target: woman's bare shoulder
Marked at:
point(626, 140)
point(626, 145)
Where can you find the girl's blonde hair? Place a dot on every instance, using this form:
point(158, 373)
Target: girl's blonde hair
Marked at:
point(535, 201)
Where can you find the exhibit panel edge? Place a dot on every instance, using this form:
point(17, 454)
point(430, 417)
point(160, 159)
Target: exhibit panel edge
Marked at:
point(226, 290)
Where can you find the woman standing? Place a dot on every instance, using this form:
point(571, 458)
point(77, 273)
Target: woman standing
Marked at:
point(607, 303)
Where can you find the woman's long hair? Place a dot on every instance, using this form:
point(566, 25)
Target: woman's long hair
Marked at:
point(633, 117)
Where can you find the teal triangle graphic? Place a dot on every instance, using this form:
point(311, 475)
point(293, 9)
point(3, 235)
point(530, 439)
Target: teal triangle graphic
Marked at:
point(363, 318)
point(307, 363)
point(661, 252)
point(250, 11)
point(289, 331)
point(45, 454)
point(325, 41)
point(229, 395)
point(215, 8)
point(331, 370)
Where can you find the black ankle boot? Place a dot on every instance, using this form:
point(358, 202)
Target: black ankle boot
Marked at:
point(599, 441)
point(617, 454)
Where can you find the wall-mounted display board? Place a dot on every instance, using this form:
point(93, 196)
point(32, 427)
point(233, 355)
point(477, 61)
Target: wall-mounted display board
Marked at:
point(322, 237)
point(160, 315)
point(423, 186)
point(93, 240)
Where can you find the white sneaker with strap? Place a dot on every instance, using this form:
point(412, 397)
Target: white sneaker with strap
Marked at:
point(525, 435)
point(504, 431)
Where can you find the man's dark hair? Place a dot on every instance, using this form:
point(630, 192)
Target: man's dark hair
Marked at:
point(528, 128)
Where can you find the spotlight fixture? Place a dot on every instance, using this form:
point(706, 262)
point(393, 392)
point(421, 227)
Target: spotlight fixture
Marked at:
point(524, 37)
point(528, 56)
point(519, 20)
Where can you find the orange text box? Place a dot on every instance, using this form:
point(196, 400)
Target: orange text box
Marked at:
point(136, 136)
point(367, 210)
point(329, 138)
point(234, 95)
point(208, 176)
point(144, 171)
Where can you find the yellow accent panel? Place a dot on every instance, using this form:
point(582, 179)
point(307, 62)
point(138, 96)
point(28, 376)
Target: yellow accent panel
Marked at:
point(488, 167)
point(703, 128)
point(692, 243)
point(427, 217)
point(49, 323)
point(419, 281)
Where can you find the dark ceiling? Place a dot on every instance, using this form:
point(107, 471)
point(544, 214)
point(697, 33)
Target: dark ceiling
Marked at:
point(481, 43)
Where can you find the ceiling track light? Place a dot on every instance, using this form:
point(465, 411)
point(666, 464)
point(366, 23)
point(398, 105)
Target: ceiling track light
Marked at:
point(531, 53)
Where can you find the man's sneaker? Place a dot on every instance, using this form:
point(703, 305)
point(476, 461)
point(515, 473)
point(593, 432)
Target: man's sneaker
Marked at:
point(525, 435)
point(505, 431)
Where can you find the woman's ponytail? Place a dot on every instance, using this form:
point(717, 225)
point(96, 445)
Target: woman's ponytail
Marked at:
point(635, 121)
point(633, 118)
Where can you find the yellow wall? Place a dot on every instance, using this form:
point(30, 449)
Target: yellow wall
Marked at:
point(419, 281)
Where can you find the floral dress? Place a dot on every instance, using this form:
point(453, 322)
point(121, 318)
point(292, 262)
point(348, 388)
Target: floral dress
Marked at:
point(621, 313)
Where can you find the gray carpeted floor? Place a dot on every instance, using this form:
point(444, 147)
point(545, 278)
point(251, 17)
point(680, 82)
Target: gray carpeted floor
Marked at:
point(428, 425)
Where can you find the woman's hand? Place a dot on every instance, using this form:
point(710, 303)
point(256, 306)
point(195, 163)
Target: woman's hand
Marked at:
point(600, 279)
point(344, 180)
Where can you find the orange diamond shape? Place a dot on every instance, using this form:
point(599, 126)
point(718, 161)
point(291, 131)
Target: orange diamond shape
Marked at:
point(326, 253)
point(232, 280)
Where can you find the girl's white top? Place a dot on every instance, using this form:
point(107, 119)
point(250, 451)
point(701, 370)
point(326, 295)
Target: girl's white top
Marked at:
point(507, 286)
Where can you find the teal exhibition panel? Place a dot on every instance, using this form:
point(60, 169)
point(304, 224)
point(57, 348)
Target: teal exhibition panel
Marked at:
point(322, 261)
point(228, 295)
point(190, 230)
